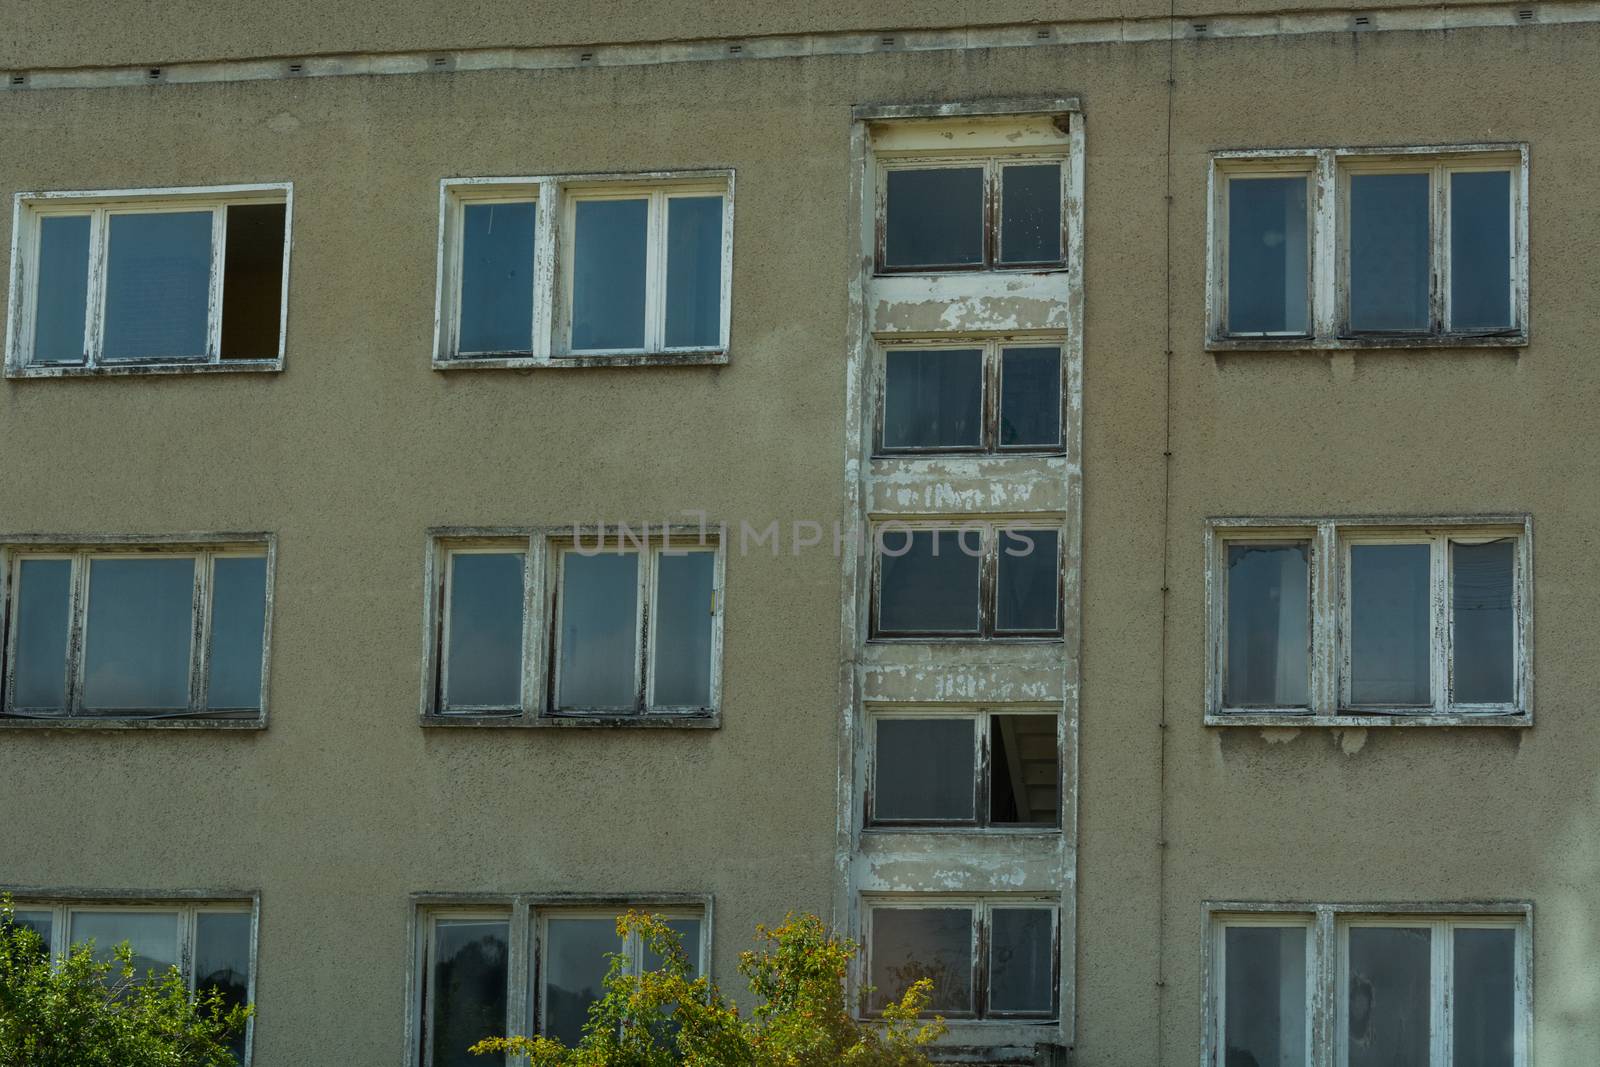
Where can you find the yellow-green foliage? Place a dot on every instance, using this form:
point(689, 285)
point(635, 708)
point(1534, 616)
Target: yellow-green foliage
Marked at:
point(666, 1017)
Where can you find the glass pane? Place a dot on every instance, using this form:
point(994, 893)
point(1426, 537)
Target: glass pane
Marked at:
point(694, 271)
point(44, 597)
point(1030, 213)
point(1268, 255)
point(238, 625)
point(486, 597)
point(63, 289)
point(1389, 999)
point(497, 277)
point(40, 922)
point(138, 635)
point(684, 609)
point(575, 967)
point(1389, 263)
point(153, 936)
point(934, 217)
point(1480, 250)
point(608, 268)
point(933, 398)
point(1484, 1009)
point(928, 580)
point(1482, 604)
point(1269, 626)
point(1030, 397)
point(1390, 647)
point(599, 630)
point(913, 943)
point(252, 280)
point(1028, 593)
point(925, 770)
point(1265, 999)
point(222, 961)
point(1022, 960)
point(158, 281)
point(1024, 774)
point(469, 988)
point(688, 931)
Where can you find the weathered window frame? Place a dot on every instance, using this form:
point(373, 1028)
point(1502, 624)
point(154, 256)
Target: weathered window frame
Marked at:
point(526, 914)
point(1327, 171)
point(81, 550)
point(1330, 540)
point(28, 208)
point(555, 197)
point(982, 908)
point(993, 348)
point(543, 547)
point(1327, 929)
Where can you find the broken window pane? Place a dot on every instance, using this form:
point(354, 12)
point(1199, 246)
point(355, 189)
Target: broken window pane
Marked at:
point(252, 281)
point(1480, 250)
point(1482, 592)
point(44, 597)
point(575, 966)
point(62, 289)
point(222, 962)
point(469, 988)
point(485, 628)
point(1265, 999)
point(928, 580)
point(934, 217)
point(1268, 256)
point(1022, 960)
point(599, 630)
point(1389, 625)
point(684, 609)
point(1269, 626)
point(158, 285)
point(925, 769)
point(1389, 259)
point(1030, 213)
point(153, 936)
point(1028, 590)
point(1024, 772)
point(1030, 397)
point(1484, 1002)
point(138, 634)
point(497, 277)
point(933, 398)
point(608, 274)
point(1388, 997)
point(913, 943)
point(238, 625)
point(694, 271)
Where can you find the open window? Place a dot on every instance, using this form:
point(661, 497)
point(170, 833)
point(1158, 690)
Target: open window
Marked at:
point(992, 768)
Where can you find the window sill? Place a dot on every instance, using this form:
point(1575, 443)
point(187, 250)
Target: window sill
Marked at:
point(975, 640)
point(1289, 719)
point(1358, 344)
point(95, 722)
point(707, 358)
point(883, 829)
point(121, 370)
point(711, 720)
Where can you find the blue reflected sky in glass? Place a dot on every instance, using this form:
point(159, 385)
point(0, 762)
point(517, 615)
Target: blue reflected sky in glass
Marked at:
point(1390, 266)
point(497, 277)
point(486, 618)
point(158, 274)
point(608, 274)
point(1480, 250)
point(1390, 623)
point(138, 634)
point(694, 271)
point(1483, 609)
point(599, 622)
point(1268, 256)
point(683, 612)
point(238, 626)
point(62, 289)
point(44, 597)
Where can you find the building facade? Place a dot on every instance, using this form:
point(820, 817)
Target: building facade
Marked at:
point(1091, 503)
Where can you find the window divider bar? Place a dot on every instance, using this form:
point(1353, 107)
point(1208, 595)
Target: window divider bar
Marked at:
point(547, 233)
point(1329, 642)
point(1439, 250)
point(1326, 313)
point(95, 298)
point(77, 641)
point(1443, 979)
point(219, 254)
point(199, 633)
point(1442, 624)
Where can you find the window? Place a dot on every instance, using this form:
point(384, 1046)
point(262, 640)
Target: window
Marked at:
point(585, 271)
point(472, 959)
point(971, 396)
point(1349, 248)
point(969, 212)
point(1425, 990)
point(991, 768)
point(212, 943)
point(1382, 621)
point(978, 579)
point(994, 958)
point(171, 279)
point(598, 624)
point(137, 630)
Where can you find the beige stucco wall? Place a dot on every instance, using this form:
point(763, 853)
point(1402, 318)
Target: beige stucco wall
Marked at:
point(345, 805)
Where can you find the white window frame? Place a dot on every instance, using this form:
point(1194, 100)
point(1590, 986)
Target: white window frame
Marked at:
point(544, 548)
point(1327, 172)
point(29, 208)
point(205, 549)
point(1327, 928)
point(1328, 663)
point(555, 197)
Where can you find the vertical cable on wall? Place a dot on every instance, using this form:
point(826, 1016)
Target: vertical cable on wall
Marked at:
point(1166, 537)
